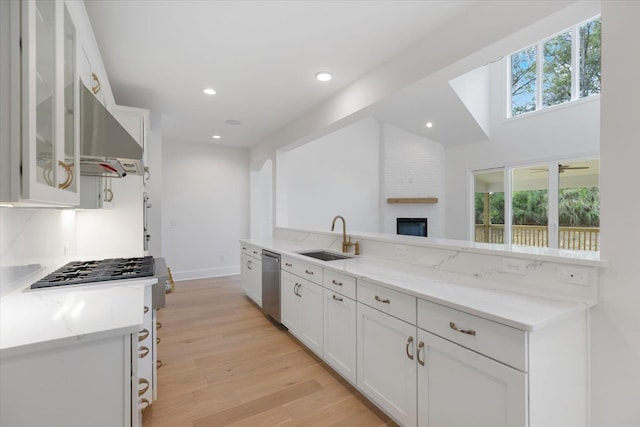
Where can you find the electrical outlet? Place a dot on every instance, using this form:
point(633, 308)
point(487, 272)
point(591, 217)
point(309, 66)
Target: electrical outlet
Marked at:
point(573, 275)
point(400, 249)
point(514, 266)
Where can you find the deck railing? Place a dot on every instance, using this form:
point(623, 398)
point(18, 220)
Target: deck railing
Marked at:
point(574, 238)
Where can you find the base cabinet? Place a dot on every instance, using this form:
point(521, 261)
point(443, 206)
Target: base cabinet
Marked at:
point(89, 383)
point(302, 310)
point(340, 339)
point(460, 388)
point(386, 363)
point(251, 278)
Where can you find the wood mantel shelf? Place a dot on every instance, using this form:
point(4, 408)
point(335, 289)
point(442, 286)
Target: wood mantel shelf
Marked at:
point(412, 200)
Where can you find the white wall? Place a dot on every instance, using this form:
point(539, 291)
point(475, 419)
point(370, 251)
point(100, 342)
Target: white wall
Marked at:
point(206, 208)
point(154, 185)
point(116, 231)
point(261, 193)
point(413, 166)
point(615, 323)
point(338, 174)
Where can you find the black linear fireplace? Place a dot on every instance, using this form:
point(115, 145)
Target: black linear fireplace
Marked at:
point(412, 226)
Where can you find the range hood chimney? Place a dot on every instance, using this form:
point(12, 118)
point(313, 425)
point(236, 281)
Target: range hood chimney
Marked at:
point(106, 148)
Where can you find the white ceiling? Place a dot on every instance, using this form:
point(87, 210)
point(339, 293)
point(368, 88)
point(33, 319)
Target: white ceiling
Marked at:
point(260, 56)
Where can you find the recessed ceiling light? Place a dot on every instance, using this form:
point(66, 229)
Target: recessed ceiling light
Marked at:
point(216, 136)
point(209, 91)
point(233, 122)
point(429, 124)
point(323, 76)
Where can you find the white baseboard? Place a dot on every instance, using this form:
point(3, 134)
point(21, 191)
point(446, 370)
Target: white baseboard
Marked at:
point(205, 273)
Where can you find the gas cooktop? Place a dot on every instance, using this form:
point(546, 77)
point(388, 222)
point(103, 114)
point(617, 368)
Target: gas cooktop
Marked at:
point(81, 272)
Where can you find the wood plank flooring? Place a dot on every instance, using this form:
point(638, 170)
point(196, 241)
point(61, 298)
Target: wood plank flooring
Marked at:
point(226, 364)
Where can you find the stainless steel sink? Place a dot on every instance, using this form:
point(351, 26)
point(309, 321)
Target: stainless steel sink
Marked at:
point(325, 256)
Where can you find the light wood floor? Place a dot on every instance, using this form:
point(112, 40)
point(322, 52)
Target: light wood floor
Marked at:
point(225, 363)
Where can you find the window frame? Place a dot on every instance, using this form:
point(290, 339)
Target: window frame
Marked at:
point(574, 31)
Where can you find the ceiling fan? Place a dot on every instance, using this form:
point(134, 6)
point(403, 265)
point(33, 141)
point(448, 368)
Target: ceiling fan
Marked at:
point(561, 168)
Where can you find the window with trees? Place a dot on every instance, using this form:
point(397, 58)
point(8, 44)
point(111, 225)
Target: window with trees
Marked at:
point(559, 69)
point(554, 204)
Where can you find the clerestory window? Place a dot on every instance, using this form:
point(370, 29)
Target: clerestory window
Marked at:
point(562, 68)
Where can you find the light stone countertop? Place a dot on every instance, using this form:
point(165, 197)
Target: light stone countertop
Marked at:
point(49, 318)
point(513, 309)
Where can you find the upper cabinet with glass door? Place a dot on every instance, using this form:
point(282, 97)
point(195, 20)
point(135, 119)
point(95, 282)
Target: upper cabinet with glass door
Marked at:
point(47, 148)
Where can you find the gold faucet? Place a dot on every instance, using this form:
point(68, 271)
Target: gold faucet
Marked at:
point(345, 243)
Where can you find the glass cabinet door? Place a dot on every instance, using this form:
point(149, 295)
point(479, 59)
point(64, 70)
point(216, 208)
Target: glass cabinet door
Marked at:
point(50, 144)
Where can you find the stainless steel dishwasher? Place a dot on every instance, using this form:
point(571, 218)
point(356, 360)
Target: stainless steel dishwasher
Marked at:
point(271, 284)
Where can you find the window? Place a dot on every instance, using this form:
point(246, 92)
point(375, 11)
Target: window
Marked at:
point(554, 204)
point(562, 68)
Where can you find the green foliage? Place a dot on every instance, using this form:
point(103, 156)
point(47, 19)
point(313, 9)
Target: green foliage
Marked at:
point(556, 87)
point(577, 207)
point(590, 58)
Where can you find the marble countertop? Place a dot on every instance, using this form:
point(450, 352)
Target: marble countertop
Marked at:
point(48, 318)
point(520, 311)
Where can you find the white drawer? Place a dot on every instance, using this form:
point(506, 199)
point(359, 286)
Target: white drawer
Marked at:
point(340, 283)
point(251, 250)
point(500, 342)
point(392, 302)
point(302, 269)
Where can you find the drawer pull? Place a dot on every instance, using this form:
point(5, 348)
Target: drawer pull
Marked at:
point(142, 352)
point(337, 298)
point(308, 272)
point(385, 301)
point(420, 347)
point(158, 364)
point(244, 248)
point(158, 325)
point(157, 340)
point(145, 383)
point(255, 252)
point(143, 334)
point(336, 283)
point(288, 264)
point(144, 403)
point(146, 309)
point(409, 341)
point(463, 331)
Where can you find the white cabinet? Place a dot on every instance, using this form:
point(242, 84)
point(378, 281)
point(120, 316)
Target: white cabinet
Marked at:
point(302, 310)
point(340, 333)
point(386, 363)
point(86, 383)
point(460, 388)
point(40, 113)
point(251, 278)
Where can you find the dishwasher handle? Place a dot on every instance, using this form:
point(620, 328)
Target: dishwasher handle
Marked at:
point(272, 256)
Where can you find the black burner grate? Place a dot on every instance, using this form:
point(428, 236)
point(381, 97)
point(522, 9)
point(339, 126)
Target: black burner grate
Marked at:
point(79, 272)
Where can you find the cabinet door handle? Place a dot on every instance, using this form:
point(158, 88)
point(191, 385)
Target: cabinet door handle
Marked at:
point(157, 340)
point(288, 264)
point(409, 341)
point(144, 403)
point(295, 289)
point(249, 265)
point(95, 88)
point(420, 347)
point(67, 182)
point(146, 309)
point(462, 331)
point(143, 351)
point(158, 325)
point(145, 383)
point(385, 301)
point(143, 334)
point(337, 298)
point(158, 364)
point(335, 282)
point(308, 272)
point(108, 195)
point(298, 293)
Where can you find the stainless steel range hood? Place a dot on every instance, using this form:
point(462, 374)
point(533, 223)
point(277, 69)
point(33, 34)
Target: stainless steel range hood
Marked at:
point(106, 148)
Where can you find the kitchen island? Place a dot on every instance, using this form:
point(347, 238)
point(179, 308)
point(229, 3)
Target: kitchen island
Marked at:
point(421, 326)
